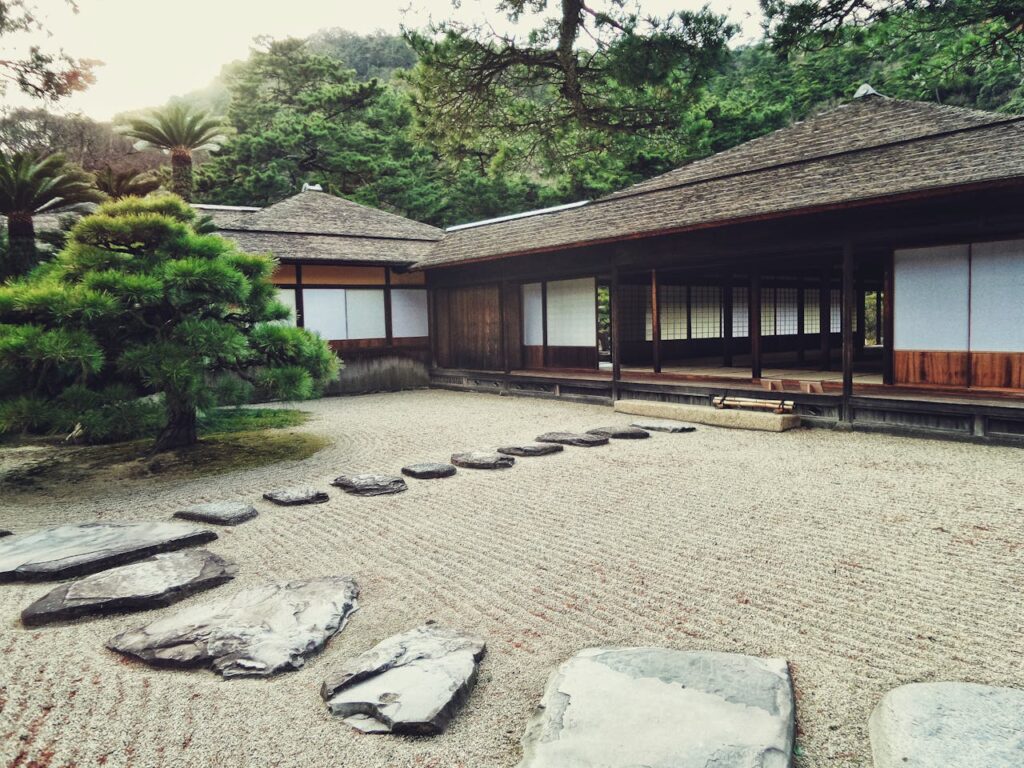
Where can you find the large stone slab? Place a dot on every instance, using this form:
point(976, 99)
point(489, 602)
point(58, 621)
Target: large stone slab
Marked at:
point(411, 683)
point(429, 470)
point(82, 548)
point(942, 725)
point(290, 497)
point(531, 449)
point(663, 425)
point(219, 512)
point(632, 707)
point(258, 632)
point(5, 533)
point(370, 485)
point(571, 438)
point(731, 418)
point(620, 433)
point(482, 460)
point(155, 582)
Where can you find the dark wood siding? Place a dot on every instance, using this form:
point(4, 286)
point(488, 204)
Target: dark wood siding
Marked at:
point(469, 328)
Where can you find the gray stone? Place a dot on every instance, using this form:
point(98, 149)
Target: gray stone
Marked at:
point(531, 449)
point(411, 683)
point(256, 633)
point(482, 460)
point(219, 512)
point(82, 548)
point(290, 497)
point(572, 438)
point(942, 725)
point(428, 470)
point(620, 433)
point(663, 425)
point(370, 485)
point(631, 707)
point(5, 533)
point(155, 582)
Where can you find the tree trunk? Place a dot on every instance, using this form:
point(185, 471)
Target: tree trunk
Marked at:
point(180, 431)
point(181, 174)
point(22, 236)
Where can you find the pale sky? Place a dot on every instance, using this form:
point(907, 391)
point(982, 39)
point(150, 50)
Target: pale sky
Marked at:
point(154, 50)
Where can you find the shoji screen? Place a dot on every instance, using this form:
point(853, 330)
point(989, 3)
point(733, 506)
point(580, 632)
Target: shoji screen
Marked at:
point(997, 296)
point(572, 313)
point(408, 313)
point(287, 297)
point(931, 298)
point(365, 313)
point(323, 311)
point(533, 315)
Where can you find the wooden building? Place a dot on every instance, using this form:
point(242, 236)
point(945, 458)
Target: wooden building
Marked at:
point(868, 260)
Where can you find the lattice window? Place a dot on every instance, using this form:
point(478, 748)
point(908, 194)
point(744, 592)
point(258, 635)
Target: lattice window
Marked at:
point(672, 310)
point(812, 313)
point(837, 311)
point(786, 315)
point(740, 313)
point(634, 307)
point(767, 311)
point(705, 312)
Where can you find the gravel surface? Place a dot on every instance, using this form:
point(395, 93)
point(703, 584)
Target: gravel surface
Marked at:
point(867, 561)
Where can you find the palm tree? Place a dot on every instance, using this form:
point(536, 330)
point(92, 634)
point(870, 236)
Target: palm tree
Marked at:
point(127, 183)
point(31, 184)
point(179, 130)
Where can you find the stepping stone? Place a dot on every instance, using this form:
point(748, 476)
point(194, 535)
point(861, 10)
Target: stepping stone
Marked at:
point(5, 533)
point(82, 548)
point(428, 470)
point(531, 449)
point(370, 485)
point(482, 460)
point(664, 425)
point(155, 582)
point(630, 707)
point(412, 683)
point(290, 497)
point(256, 633)
point(941, 725)
point(620, 433)
point(219, 512)
point(572, 438)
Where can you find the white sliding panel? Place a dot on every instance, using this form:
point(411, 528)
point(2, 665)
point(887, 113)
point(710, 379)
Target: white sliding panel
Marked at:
point(408, 313)
point(572, 313)
point(997, 296)
point(365, 313)
point(286, 296)
point(930, 301)
point(533, 315)
point(740, 313)
point(705, 312)
point(323, 311)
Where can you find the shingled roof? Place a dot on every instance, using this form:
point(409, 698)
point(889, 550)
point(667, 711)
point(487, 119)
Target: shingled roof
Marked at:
point(867, 150)
point(318, 227)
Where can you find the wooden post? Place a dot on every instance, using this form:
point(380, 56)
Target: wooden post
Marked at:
point(754, 322)
point(432, 330)
point(848, 310)
point(825, 316)
point(801, 320)
point(300, 310)
point(860, 338)
point(727, 323)
point(613, 307)
point(655, 323)
point(502, 290)
point(888, 323)
point(544, 323)
point(878, 316)
point(389, 335)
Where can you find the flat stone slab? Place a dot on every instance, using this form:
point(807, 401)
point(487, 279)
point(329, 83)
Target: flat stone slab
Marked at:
point(731, 418)
point(620, 433)
point(5, 533)
point(631, 707)
point(428, 470)
point(664, 425)
point(290, 497)
point(482, 460)
point(942, 725)
point(571, 438)
point(370, 485)
point(258, 632)
point(219, 512)
point(412, 683)
point(531, 449)
point(155, 582)
point(82, 548)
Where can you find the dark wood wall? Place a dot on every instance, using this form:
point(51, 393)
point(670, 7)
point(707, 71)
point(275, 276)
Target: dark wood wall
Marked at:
point(469, 327)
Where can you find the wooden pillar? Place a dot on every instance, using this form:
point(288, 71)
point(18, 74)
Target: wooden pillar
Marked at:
point(613, 308)
point(825, 316)
point(888, 323)
point(389, 335)
point(300, 310)
point(544, 323)
point(801, 321)
point(860, 338)
point(878, 316)
point(727, 322)
point(655, 323)
point(432, 329)
point(848, 310)
point(754, 305)
point(502, 290)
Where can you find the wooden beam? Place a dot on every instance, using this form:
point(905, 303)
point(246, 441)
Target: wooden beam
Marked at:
point(655, 323)
point(888, 323)
point(754, 304)
point(613, 308)
point(544, 323)
point(848, 310)
point(825, 316)
point(727, 322)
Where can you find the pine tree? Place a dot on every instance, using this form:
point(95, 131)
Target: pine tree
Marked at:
point(139, 309)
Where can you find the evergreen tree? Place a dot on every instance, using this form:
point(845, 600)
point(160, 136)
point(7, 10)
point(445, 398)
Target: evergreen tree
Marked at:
point(137, 305)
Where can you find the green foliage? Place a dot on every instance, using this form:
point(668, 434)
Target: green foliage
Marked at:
point(375, 56)
point(140, 321)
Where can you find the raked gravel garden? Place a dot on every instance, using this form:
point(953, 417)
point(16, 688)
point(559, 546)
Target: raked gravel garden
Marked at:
point(864, 561)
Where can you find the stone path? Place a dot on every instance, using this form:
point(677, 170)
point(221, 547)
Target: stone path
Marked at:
point(571, 438)
point(620, 433)
point(219, 512)
point(531, 449)
point(482, 460)
point(370, 485)
point(428, 470)
point(664, 425)
point(289, 497)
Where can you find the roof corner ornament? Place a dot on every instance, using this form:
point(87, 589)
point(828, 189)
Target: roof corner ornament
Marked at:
point(865, 90)
point(312, 188)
